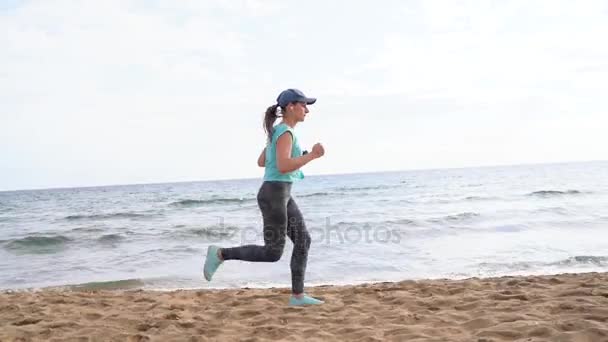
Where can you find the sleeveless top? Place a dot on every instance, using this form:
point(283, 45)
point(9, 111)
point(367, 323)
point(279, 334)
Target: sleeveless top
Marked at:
point(271, 171)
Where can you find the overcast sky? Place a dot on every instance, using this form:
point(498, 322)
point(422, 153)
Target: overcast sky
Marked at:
point(119, 92)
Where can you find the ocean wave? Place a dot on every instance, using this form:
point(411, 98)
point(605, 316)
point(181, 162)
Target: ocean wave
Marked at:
point(481, 198)
point(364, 188)
point(214, 231)
point(551, 193)
point(173, 250)
point(88, 229)
point(583, 260)
point(512, 266)
point(5, 208)
point(456, 218)
point(554, 210)
point(188, 203)
point(37, 244)
point(406, 222)
point(510, 228)
point(317, 194)
point(398, 222)
point(110, 238)
point(125, 284)
point(349, 224)
point(579, 260)
point(120, 215)
point(461, 216)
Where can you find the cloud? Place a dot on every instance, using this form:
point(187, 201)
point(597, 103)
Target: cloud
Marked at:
point(496, 51)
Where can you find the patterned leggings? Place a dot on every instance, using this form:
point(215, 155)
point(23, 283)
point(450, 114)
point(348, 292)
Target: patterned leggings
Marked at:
point(281, 217)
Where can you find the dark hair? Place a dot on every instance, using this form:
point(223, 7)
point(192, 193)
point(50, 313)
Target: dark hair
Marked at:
point(269, 118)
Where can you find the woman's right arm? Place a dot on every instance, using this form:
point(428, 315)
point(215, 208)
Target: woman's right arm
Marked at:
point(287, 164)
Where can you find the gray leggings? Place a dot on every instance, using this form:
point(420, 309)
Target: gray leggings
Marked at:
point(281, 217)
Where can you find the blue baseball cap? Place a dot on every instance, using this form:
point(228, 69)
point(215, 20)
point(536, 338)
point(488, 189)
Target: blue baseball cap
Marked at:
point(293, 95)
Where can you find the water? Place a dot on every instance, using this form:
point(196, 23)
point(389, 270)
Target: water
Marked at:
point(458, 223)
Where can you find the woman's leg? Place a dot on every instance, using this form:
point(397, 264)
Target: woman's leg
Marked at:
point(272, 200)
point(296, 230)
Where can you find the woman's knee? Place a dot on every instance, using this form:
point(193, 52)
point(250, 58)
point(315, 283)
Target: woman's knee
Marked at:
point(305, 240)
point(308, 240)
point(274, 254)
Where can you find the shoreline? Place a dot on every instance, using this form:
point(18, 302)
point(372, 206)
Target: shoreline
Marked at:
point(565, 307)
point(145, 284)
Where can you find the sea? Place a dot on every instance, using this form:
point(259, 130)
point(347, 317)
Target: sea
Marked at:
point(368, 227)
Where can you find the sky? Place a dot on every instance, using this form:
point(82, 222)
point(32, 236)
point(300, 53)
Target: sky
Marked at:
point(127, 92)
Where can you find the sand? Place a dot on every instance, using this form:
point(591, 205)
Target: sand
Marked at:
point(567, 307)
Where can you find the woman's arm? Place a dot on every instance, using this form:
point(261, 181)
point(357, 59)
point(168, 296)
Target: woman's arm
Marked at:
point(262, 158)
point(287, 164)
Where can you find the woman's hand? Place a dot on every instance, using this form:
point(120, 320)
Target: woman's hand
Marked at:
point(317, 150)
point(285, 163)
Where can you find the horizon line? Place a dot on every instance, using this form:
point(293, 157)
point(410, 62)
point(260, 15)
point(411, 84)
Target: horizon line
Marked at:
point(312, 175)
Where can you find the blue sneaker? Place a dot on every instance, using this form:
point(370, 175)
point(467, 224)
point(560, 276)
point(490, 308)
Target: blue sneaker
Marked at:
point(305, 300)
point(212, 262)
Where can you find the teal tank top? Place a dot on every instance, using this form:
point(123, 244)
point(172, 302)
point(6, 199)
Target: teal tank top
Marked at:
point(271, 171)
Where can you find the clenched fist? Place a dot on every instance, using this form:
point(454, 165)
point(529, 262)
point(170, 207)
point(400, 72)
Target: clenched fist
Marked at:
point(318, 151)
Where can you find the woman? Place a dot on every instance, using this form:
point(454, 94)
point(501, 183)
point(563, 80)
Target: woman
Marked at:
point(282, 159)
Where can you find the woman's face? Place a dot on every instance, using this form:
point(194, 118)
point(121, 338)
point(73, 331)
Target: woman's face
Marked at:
point(298, 110)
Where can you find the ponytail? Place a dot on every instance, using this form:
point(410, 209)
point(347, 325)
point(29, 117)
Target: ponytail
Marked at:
point(269, 118)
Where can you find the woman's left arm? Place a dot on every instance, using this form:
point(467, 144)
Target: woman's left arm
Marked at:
point(262, 158)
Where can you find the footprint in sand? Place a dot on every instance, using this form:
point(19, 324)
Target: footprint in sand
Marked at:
point(186, 325)
point(144, 299)
point(92, 316)
point(27, 321)
point(247, 313)
point(62, 324)
point(172, 316)
point(138, 338)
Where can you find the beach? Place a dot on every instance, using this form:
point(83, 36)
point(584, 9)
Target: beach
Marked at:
point(563, 307)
